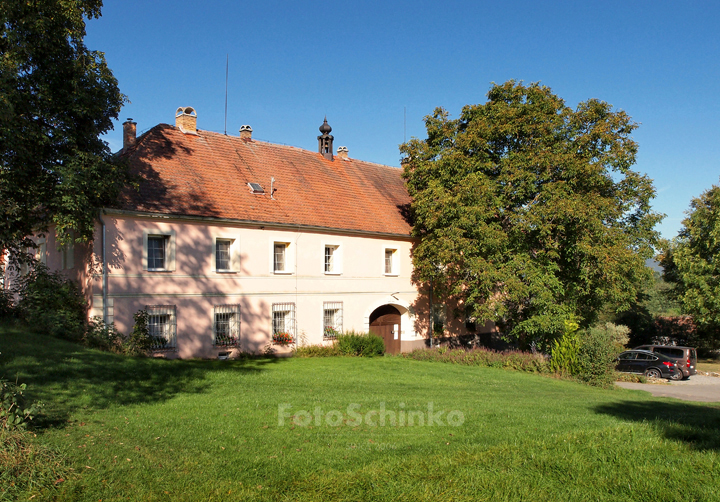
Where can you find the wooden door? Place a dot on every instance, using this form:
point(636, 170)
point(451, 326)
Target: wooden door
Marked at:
point(385, 322)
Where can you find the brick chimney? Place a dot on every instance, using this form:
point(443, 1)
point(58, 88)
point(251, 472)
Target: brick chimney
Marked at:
point(186, 119)
point(129, 133)
point(245, 132)
point(342, 152)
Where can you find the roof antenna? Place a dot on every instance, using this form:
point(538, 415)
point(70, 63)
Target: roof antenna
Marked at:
point(227, 64)
point(404, 124)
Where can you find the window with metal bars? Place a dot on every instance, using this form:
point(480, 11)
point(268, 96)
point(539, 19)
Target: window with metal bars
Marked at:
point(283, 319)
point(222, 254)
point(226, 325)
point(162, 326)
point(332, 319)
point(156, 253)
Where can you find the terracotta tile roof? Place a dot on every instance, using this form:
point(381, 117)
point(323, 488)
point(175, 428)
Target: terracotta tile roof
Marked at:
point(207, 175)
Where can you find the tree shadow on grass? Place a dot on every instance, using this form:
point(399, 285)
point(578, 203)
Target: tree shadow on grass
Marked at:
point(697, 425)
point(66, 376)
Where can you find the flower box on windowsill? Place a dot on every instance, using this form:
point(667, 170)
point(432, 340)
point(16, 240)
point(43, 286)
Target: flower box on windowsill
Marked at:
point(330, 333)
point(226, 341)
point(281, 338)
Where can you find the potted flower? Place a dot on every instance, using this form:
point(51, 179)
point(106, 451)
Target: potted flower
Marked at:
point(330, 333)
point(282, 338)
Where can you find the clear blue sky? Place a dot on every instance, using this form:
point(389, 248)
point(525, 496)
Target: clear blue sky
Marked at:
point(363, 63)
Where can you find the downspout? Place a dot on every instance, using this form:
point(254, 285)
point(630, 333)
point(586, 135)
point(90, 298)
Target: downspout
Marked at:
point(432, 320)
point(104, 269)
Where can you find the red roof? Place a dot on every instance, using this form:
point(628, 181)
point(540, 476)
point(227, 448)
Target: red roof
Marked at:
point(207, 175)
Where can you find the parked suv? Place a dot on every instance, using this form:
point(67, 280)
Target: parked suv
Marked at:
point(649, 364)
point(686, 357)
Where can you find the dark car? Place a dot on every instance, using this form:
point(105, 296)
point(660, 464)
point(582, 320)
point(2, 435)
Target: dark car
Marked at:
point(686, 357)
point(649, 364)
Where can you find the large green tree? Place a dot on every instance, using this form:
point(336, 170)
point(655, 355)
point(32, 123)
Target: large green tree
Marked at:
point(692, 263)
point(56, 99)
point(528, 213)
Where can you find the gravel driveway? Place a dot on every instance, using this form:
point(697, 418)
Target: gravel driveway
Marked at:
point(696, 388)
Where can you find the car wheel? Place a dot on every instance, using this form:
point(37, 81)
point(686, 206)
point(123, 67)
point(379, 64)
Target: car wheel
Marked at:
point(653, 373)
point(678, 375)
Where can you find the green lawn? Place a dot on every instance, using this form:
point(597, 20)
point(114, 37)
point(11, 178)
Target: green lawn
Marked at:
point(144, 429)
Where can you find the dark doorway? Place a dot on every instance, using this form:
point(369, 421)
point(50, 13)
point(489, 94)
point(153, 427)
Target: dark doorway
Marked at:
point(385, 322)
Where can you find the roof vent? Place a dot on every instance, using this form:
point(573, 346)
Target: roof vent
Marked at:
point(342, 152)
point(186, 119)
point(256, 188)
point(245, 132)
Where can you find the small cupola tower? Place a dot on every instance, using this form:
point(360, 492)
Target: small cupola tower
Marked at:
point(325, 141)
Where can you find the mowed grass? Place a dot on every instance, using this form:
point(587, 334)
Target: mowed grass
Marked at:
point(145, 429)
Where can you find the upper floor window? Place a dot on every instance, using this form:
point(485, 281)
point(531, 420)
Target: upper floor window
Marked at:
point(222, 254)
point(159, 250)
point(391, 264)
point(280, 257)
point(332, 263)
point(225, 254)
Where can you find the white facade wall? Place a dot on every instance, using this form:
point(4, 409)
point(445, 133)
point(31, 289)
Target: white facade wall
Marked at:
point(193, 285)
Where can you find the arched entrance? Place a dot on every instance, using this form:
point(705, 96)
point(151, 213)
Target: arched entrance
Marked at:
point(385, 322)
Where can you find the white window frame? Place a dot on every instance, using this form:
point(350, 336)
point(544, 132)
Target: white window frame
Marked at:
point(234, 254)
point(169, 332)
point(395, 263)
point(289, 257)
point(337, 258)
point(234, 324)
point(289, 321)
point(169, 236)
point(337, 321)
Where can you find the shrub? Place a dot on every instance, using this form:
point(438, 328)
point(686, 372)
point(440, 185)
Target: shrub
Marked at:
point(51, 302)
point(516, 360)
point(360, 344)
point(15, 412)
point(6, 305)
point(99, 335)
point(598, 349)
point(139, 343)
point(564, 354)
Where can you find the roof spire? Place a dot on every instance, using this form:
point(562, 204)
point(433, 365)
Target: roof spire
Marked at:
point(325, 140)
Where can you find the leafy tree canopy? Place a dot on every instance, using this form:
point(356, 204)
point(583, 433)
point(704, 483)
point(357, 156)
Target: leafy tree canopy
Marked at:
point(56, 98)
point(692, 262)
point(528, 213)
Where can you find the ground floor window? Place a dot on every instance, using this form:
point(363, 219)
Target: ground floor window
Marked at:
point(332, 319)
point(162, 326)
point(283, 322)
point(226, 325)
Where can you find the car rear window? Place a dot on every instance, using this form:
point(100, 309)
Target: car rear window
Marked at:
point(693, 355)
point(670, 352)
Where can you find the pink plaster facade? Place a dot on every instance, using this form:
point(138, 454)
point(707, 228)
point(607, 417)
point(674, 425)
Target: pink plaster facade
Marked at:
point(194, 286)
